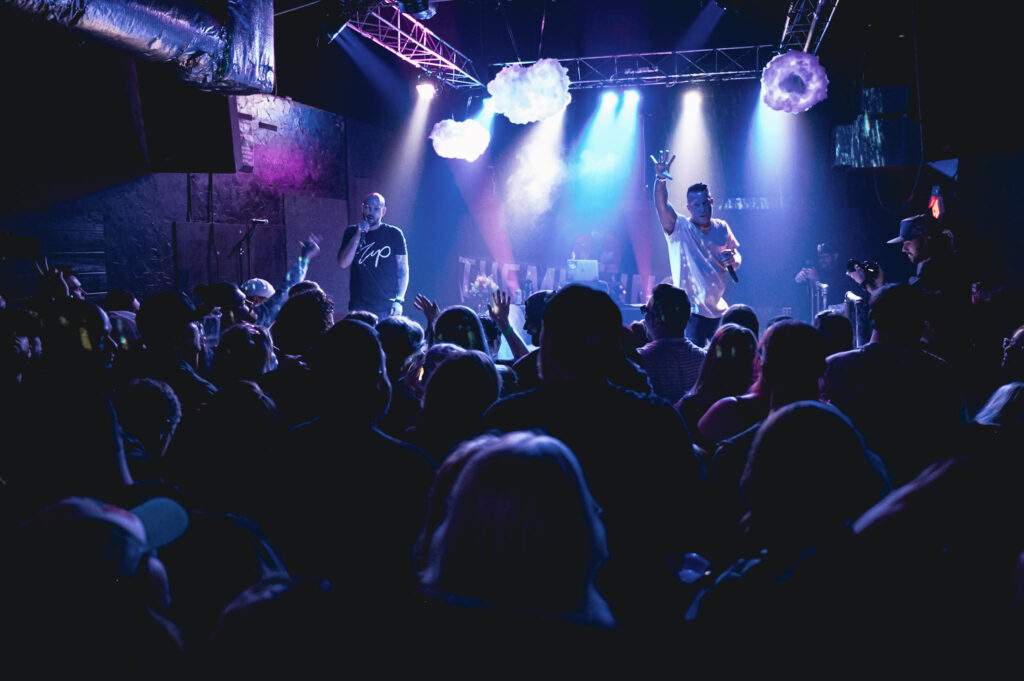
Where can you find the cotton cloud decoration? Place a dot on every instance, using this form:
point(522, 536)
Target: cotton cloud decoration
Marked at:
point(793, 82)
point(460, 139)
point(531, 93)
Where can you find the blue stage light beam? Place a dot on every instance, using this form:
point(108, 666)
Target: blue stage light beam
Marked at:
point(402, 177)
point(773, 156)
point(692, 142)
point(602, 165)
point(485, 116)
point(381, 74)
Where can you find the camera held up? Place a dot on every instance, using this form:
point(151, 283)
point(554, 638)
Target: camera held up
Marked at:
point(870, 269)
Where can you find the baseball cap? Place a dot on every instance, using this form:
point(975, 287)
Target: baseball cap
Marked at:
point(258, 287)
point(104, 533)
point(916, 226)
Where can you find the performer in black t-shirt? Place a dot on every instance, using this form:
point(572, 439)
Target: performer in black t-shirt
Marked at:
point(380, 264)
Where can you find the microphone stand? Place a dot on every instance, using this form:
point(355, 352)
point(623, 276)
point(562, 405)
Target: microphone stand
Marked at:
point(237, 248)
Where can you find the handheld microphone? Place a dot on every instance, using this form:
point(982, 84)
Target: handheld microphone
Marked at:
point(732, 272)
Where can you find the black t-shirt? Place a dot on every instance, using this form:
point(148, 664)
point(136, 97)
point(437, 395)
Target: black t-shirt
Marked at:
point(374, 279)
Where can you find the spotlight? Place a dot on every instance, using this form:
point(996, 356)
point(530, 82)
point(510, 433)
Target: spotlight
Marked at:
point(631, 97)
point(420, 9)
point(426, 89)
point(609, 99)
point(692, 98)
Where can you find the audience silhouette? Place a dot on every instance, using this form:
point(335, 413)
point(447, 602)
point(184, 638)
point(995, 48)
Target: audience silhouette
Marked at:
point(323, 498)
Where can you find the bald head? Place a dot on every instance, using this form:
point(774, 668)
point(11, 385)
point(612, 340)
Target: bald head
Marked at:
point(374, 209)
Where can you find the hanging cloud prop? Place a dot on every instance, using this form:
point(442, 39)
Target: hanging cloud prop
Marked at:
point(793, 82)
point(460, 139)
point(533, 93)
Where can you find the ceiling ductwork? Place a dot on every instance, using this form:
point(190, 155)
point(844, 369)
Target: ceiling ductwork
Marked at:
point(230, 55)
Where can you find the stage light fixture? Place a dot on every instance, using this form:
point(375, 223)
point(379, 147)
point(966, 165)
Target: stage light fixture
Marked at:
point(420, 9)
point(426, 89)
point(609, 98)
point(631, 97)
point(692, 98)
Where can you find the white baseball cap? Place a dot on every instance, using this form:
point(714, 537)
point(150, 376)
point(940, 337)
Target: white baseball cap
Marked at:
point(257, 287)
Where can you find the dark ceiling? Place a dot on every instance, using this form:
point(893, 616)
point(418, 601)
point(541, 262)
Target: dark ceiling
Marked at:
point(492, 31)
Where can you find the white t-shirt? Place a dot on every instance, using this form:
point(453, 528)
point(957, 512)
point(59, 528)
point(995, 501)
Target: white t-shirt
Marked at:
point(693, 257)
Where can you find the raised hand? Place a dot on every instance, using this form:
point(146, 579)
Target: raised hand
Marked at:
point(662, 163)
point(428, 307)
point(51, 282)
point(857, 274)
point(311, 246)
point(501, 303)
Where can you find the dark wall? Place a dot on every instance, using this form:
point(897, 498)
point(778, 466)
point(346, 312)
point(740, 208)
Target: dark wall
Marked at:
point(122, 234)
point(88, 134)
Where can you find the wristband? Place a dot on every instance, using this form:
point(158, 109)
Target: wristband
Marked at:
point(303, 261)
point(508, 331)
point(400, 301)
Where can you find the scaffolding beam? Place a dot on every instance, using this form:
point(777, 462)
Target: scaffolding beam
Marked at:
point(664, 68)
point(407, 38)
point(807, 21)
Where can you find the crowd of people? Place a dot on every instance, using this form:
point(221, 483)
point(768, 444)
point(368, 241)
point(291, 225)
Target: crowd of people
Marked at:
point(372, 496)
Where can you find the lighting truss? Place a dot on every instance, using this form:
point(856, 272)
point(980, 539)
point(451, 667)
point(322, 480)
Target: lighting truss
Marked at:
point(665, 68)
point(404, 36)
point(806, 24)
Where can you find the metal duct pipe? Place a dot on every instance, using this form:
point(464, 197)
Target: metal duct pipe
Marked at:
point(233, 58)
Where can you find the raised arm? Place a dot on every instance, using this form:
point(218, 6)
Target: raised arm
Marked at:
point(501, 304)
point(430, 310)
point(308, 249)
point(666, 213)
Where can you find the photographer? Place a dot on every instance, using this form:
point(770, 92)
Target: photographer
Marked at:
point(824, 278)
point(939, 271)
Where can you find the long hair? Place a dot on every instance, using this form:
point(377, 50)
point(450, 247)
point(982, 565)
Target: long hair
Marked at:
point(808, 471)
point(728, 367)
point(522, 529)
point(461, 389)
point(460, 325)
